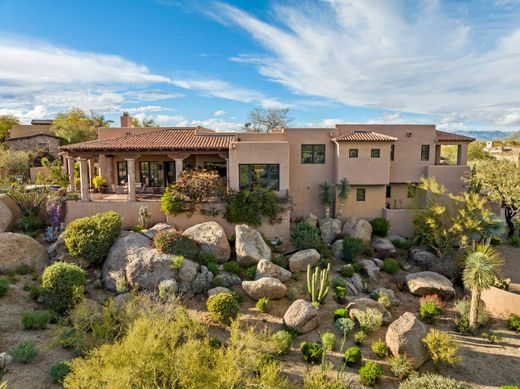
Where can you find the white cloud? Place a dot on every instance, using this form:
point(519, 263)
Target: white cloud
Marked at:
point(217, 124)
point(218, 88)
point(219, 112)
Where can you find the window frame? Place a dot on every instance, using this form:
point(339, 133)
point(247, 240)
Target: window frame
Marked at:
point(313, 153)
point(148, 174)
point(272, 175)
point(392, 152)
point(375, 153)
point(122, 180)
point(425, 149)
point(350, 154)
point(388, 191)
point(361, 194)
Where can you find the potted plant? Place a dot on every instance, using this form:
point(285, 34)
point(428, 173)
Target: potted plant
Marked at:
point(100, 184)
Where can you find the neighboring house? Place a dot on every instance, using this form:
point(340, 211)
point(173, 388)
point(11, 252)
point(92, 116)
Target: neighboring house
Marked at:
point(34, 137)
point(380, 161)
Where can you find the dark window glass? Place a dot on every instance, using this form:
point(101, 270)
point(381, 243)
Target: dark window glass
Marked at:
point(392, 152)
point(375, 153)
point(353, 153)
point(263, 175)
point(425, 152)
point(149, 173)
point(411, 191)
point(388, 191)
point(313, 154)
point(122, 172)
point(360, 194)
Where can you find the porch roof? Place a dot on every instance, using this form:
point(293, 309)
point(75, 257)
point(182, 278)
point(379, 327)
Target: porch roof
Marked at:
point(364, 136)
point(189, 138)
point(442, 136)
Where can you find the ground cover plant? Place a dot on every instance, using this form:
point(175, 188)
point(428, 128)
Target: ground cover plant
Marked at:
point(62, 285)
point(25, 351)
point(36, 320)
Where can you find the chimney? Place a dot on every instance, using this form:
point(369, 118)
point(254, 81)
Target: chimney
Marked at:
point(126, 120)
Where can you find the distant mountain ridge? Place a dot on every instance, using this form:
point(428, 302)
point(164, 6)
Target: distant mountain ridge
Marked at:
point(490, 135)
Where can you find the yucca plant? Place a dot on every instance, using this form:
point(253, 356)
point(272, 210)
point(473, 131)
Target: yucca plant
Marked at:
point(326, 197)
point(481, 267)
point(318, 284)
point(343, 189)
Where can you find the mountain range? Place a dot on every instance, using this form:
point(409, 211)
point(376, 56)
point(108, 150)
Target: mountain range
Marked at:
point(491, 135)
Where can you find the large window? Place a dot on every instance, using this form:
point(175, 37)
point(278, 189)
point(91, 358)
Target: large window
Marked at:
point(425, 152)
point(313, 154)
point(149, 173)
point(360, 194)
point(388, 191)
point(266, 176)
point(353, 153)
point(375, 153)
point(122, 172)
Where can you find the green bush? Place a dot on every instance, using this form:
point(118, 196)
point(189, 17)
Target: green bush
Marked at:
point(233, 267)
point(380, 226)
point(36, 320)
point(340, 294)
point(223, 307)
point(430, 381)
point(400, 366)
point(25, 351)
point(340, 312)
point(306, 236)
point(346, 271)
point(462, 308)
point(515, 241)
point(90, 238)
point(514, 323)
point(442, 348)
point(292, 293)
point(428, 311)
point(62, 284)
point(379, 348)
point(212, 267)
point(58, 371)
point(370, 373)
point(172, 242)
point(344, 324)
point(328, 339)
point(251, 272)
point(352, 356)
point(369, 320)
point(4, 287)
point(282, 341)
point(263, 305)
point(30, 223)
point(402, 244)
point(338, 281)
point(391, 266)
point(358, 268)
point(172, 202)
point(509, 387)
point(250, 205)
point(317, 377)
point(312, 352)
point(352, 248)
point(177, 261)
point(360, 337)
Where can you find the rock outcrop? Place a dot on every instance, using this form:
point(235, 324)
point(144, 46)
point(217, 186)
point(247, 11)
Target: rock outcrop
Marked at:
point(428, 282)
point(357, 228)
point(266, 268)
point(301, 316)
point(250, 246)
point(383, 247)
point(329, 229)
point(21, 250)
point(363, 303)
point(6, 218)
point(299, 260)
point(268, 287)
point(212, 240)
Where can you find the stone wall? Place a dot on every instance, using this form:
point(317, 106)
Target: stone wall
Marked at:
point(38, 142)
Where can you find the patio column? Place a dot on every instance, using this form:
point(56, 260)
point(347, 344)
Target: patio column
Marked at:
point(179, 166)
point(70, 171)
point(91, 170)
point(225, 156)
point(130, 162)
point(83, 176)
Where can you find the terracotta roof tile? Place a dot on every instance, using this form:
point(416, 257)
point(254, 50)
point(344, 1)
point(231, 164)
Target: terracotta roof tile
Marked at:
point(364, 136)
point(163, 140)
point(442, 136)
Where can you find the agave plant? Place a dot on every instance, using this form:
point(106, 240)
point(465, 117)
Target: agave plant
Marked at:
point(343, 191)
point(326, 197)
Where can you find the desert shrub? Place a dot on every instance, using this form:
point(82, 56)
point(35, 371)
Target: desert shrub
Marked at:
point(34, 291)
point(292, 293)
point(212, 267)
point(338, 281)
point(430, 307)
point(90, 238)
point(58, 371)
point(23, 269)
point(379, 348)
point(312, 352)
point(62, 284)
point(442, 348)
point(340, 312)
point(4, 287)
point(168, 289)
point(249, 206)
point(515, 241)
point(328, 339)
point(251, 272)
point(370, 373)
point(352, 248)
point(358, 268)
point(340, 294)
point(352, 356)
point(282, 341)
point(400, 366)
point(30, 223)
point(263, 305)
point(25, 351)
point(369, 320)
point(36, 320)
point(172, 242)
point(360, 337)
point(385, 300)
point(430, 381)
point(491, 336)
point(317, 378)
point(509, 387)
point(514, 323)
point(223, 307)
point(232, 267)
point(172, 202)
point(177, 261)
point(462, 308)
point(344, 324)
point(391, 266)
point(402, 244)
point(380, 226)
point(346, 271)
point(306, 236)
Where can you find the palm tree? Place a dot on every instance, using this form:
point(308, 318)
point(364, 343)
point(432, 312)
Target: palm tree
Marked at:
point(343, 191)
point(326, 197)
point(482, 265)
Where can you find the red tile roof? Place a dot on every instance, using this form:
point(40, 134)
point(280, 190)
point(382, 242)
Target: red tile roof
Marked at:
point(364, 136)
point(163, 140)
point(442, 136)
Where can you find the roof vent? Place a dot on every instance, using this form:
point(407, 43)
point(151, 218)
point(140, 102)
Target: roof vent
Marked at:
point(409, 134)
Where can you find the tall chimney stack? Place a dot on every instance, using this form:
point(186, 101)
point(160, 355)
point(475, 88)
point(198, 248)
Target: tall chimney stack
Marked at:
point(126, 120)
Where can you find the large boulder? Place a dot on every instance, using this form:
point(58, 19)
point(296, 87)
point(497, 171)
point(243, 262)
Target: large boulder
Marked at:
point(212, 240)
point(6, 218)
point(383, 247)
point(404, 336)
point(266, 268)
point(357, 228)
point(299, 260)
point(229, 279)
point(428, 282)
point(371, 268)
point(337, 249)
point(363, 303)
point(20, 249)
point(250, 246)
point(151, 232)
point(268, 287)
point(301, 316)
point(330, 229)
point(423, 258)
point(217, 290)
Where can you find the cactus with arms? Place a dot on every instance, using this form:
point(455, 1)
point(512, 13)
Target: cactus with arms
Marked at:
point(318, 284)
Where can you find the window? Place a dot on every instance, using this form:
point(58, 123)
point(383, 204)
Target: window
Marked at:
point(149, 173)
point(411, 191)
point(122, 172)
point(265, 175)
point(375, 153)
point(392, 152)
point(313, 154)
point(388, 191)
point(425, 152)
point(360, 194)
point(353, 153)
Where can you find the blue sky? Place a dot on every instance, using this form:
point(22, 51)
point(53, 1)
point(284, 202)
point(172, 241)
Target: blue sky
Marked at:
point(453, 63)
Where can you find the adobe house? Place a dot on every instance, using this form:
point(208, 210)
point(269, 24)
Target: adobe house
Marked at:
point(33, 137)
point(380, 161)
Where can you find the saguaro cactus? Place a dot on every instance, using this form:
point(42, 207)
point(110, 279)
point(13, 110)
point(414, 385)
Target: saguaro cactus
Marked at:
point(318, 284)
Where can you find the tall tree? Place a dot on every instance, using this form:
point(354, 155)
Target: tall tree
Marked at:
point(265, 120)
point(499, 181)
point(144, 122)
point(6, 123)
point(77, 126)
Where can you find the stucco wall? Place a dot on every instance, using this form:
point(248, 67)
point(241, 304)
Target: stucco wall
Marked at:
point(400, 221)
point(364, 170)
point(450, 176)
point(368, 209)
point(399, 197)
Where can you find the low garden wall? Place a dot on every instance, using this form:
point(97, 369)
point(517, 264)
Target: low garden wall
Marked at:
point(501, 303)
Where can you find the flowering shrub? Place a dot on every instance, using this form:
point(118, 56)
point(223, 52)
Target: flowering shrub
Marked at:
point(56, 209)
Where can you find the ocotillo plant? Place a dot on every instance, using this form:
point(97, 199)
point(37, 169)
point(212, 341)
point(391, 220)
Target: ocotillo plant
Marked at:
point(318, 284)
